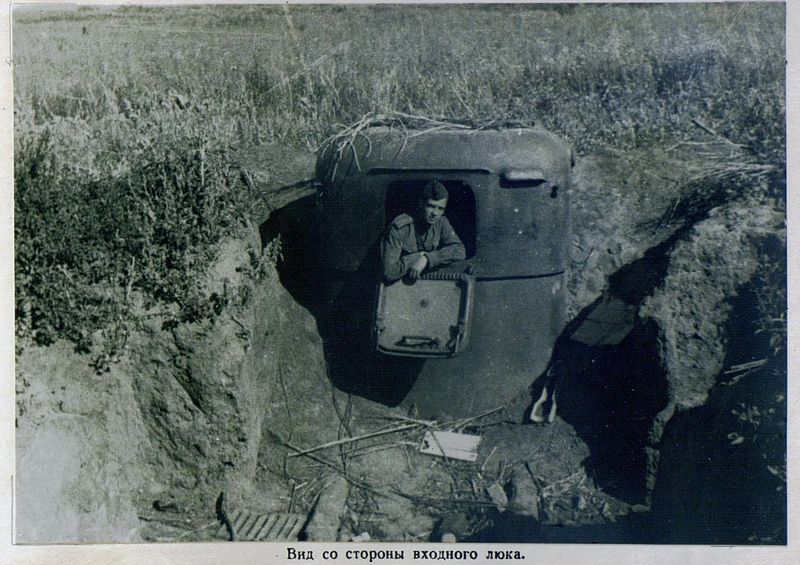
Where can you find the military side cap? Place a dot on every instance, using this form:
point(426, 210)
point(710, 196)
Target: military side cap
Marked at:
point(434, 190)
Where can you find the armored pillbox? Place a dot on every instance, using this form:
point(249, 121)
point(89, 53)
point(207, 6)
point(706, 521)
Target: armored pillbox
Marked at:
point(508, 199)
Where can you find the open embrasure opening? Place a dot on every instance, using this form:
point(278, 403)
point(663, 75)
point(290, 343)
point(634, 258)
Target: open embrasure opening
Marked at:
point(402, 196)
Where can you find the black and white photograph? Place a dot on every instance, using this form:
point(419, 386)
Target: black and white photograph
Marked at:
point(441, 274)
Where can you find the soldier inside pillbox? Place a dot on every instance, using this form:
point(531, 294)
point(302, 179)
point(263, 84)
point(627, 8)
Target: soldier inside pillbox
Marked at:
point(413, 245)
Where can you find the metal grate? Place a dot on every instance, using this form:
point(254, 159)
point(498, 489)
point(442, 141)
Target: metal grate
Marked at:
point(262, 527)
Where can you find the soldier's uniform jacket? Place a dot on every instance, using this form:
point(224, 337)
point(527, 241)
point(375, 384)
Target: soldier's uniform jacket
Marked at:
point(404, 243)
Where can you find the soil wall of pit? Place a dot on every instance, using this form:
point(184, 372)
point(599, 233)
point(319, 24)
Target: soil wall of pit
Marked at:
point(182, 417)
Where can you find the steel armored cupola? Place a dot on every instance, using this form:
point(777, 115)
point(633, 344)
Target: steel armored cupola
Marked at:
point(509, 190)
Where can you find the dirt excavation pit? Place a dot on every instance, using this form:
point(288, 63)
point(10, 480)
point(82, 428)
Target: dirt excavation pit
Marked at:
point(655, 371)
point(590, 475)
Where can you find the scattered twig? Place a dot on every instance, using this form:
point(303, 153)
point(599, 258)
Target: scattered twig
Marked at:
point(431, 120)
point(355, 438)
point(565, 480)
point(446, 501)
point(204, 527)
point(375, 448)
point(402, 418)
point(288, 415)
point(710, 131)
point(347, 477)
point(459, 424)
point(485, 461)
point(746, 366)
point(425, 131)
point(345, 138)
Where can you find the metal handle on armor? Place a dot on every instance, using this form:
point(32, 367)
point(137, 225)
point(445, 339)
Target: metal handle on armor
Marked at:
point(418, 341)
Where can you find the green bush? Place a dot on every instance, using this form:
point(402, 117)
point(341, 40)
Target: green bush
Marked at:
point(86, 246)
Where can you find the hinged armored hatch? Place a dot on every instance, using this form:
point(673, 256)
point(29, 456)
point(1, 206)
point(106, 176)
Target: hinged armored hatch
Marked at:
point(430, 317)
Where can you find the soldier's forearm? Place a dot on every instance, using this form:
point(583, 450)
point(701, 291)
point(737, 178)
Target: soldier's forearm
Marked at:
point(393, 270)
point(445, 255)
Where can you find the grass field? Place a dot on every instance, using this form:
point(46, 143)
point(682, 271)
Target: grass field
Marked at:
point(126, 120)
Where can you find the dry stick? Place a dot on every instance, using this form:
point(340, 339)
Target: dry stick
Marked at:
point(463, 423)
point(374, 449)
point(455, 424)
point(704, 127)
point(745, 366)
point(560, 482)
point(288, 415)
point(426, 131)
point(183, 535)
point(710, 131)
point(423, 423)
point(434, 501)
point(431, 120)
point(408, 460)
point(352, 439)
point(485, 461)
point(343, 425)
point(348, 478)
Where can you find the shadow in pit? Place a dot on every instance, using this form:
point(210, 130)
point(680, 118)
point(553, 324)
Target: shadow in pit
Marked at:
point(342, 304)
point(292, 224)
point(718, 474)
point(610, 394)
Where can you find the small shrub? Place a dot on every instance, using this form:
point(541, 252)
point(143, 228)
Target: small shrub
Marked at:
point(84, 246)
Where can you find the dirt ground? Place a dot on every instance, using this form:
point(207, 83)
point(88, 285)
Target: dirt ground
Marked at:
point(234, 406)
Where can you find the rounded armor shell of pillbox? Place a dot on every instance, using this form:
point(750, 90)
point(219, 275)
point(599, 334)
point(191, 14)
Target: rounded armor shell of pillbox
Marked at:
point(434, 190)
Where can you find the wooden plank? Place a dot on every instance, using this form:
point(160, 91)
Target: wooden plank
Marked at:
point(264, 530)
point(257, 524)
point(298, 525)
point(238, 519)
point(286, 531)
point(248, 529)
point(275, 532)
point(608, 324)
point(275, 529)
point(259, 527)
point(451, 444)
point(246, 524)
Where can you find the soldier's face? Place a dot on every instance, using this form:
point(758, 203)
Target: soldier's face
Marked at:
point(432, 210)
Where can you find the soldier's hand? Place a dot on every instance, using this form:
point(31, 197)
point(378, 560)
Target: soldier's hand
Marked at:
point(416, 268)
